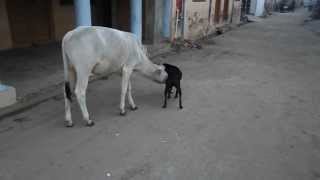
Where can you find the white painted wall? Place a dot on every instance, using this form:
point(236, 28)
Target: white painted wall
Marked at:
point(253, 6)
point(259, 8)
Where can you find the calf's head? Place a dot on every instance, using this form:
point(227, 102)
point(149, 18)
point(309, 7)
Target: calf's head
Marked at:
point(160, 75)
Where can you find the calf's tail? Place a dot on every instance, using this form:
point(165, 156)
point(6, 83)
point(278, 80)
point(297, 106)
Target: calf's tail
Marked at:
point(68, 91)
point(67, 87)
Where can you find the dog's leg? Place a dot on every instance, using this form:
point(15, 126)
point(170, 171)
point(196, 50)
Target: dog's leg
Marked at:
point(166, 91)
point(180, 94)
point(169, 92)
point(176, 96)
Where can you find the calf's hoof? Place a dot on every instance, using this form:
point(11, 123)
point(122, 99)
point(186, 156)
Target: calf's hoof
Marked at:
point(134, 108)
point(90, 124)
point(68, 124)
point(181, 107)
point(123, 113)
point(164, 106)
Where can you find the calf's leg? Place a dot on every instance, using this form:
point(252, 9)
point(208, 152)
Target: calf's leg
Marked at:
point(126, 73)
point(131, 102)
point(68, 89)
point(80, 91)
point(67, 106)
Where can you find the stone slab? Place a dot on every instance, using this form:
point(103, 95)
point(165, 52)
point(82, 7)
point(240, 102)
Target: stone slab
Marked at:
point(7, 95)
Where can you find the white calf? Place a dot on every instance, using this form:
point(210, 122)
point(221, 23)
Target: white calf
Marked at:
point(101, 50)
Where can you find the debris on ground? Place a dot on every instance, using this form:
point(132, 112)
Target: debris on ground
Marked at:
point(219, 31)
point(177, 44)
point(164, 140)
point(22, 119)
point(108, 174)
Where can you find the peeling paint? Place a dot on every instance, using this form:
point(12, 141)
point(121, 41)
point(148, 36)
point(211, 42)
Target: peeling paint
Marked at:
point(198, 21)
point(197, 25)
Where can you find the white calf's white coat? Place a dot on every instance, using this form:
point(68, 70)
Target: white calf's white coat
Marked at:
point(101, 50)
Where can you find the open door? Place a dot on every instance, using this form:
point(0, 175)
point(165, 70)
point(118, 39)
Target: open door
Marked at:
point(226, 10)
point(217, 11)
point(101, 13)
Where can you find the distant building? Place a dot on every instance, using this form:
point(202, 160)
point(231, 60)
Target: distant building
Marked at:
point(193, 19)
point(255, 7)
point(28, 22)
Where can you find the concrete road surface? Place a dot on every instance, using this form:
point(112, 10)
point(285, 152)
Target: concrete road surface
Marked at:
point(251, 99)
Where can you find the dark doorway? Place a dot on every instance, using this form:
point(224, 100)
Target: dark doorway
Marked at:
point(245, 7)
point(148, 21)
point(101, 13)
point(30, 21)
point(225, 10)
point(111, 13)
point(217, 11)
point(123, 15)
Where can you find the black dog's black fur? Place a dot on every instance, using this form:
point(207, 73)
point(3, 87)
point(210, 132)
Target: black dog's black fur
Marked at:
point(173, 80)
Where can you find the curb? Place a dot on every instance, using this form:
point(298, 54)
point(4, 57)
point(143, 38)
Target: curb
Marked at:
point(29, 103)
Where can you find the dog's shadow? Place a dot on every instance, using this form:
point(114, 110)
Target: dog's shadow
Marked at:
point(153, 99)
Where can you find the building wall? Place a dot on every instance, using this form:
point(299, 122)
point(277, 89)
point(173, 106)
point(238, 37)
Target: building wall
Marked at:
point(173, 20)
point(5, 35)
point(260, 8)
point(236, 14)
point(231, 10)
point(221, 13)
point(63, 18)
point(158, 21)
point(253, 5)
point(196, 22)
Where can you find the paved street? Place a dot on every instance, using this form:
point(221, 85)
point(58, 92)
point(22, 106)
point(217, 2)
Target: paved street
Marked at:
point(251, 112)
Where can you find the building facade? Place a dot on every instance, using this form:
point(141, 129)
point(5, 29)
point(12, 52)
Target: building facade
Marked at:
point(25, 23)
point(193, 19)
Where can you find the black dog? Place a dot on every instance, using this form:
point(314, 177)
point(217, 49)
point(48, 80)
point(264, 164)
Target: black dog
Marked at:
point(173, 80)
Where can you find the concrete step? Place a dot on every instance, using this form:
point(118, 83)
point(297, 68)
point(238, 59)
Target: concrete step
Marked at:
point(7, 95)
